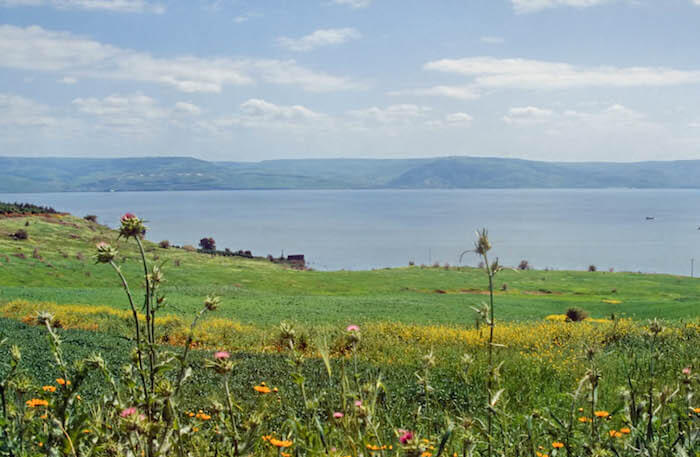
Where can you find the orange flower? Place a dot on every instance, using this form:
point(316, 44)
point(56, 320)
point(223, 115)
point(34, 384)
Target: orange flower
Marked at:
point(584, 419)
point(625, 430)
point(190, 414)
point(602, 414)
point(34, 402)
point(78, 397)
point(86, 431)
point(614, 434)
point(539, 454)
point(696, 410)
point(284, 454)
point(266, 437)
point(62, 382)
point(202, 416)
point(557, 445)
point(280, 443)
point(44, 416)
point(48, 389)
point(262, 389)
point(426, 454)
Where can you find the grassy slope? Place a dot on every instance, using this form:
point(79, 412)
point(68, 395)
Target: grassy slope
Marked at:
point(262, 293)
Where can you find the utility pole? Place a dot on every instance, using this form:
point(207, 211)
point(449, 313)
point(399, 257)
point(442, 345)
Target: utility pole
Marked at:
point(692, 267)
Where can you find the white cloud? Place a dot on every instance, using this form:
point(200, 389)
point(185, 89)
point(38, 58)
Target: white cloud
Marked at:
point(451, 120)
point(393, 114)
point(67, 80)
point(319, 38)
point(38, 49)
point(527, 115)
point(492, 39)
point(529, 6)
point(187, 108)
point(121, 6)
point(17, 111)
point(468, 92)
point(353, 3)
point(490, 72)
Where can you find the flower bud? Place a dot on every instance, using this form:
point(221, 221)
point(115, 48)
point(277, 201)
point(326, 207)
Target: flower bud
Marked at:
point(105, 252)
point(212, 303)
point(131, 226)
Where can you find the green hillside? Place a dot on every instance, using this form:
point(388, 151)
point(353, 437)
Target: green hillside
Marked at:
point(55, 264)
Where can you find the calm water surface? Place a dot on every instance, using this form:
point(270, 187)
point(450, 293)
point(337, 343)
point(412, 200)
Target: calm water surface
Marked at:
point(561, 229)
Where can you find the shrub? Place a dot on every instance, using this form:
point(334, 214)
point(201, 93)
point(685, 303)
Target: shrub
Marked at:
point(207, 244)
point(189, 248)
point(20, 234)
point(576, 315)
point(165, 244)
point(524, 265)
point(91, 218)
point(411, 263)
point(592, 268)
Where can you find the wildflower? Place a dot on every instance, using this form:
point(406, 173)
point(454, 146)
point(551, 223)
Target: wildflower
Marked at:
point(602, 414)
point(375, 447)
point(78, 397)
point(34, 402)
point(539, 454)
point(614, 434)
point(352, 328)
point(62, 382)
point(190, 414)
point(285, 454)
point(557, 445)
point(585, 419)
point(44, 416)
point(280, 443)
point(211, 303)
point(195, 429)
point(275, 389)
point(105, 252)
point(426, 454)
point(128, 412)
point(221, 355)
point(358, 403)
point(686, 371)
point(338, 415)
point(51, 389)
point(266, 437)
point(405, 437)
point(131, 226)
point(40, 444)
point(262, 389)
point(696, 410)
point(625, 430)
point(202, 416)
point(86, 431)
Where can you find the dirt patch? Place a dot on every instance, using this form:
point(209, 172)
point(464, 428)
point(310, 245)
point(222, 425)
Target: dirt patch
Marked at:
point(540, 292)
point(474, 291)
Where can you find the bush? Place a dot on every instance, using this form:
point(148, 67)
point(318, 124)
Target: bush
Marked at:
point(20, 234)
point(91, 218)
point(524, 265)
point(207, 244)
point(576, 315)
point(592, 268)
point(165, 244)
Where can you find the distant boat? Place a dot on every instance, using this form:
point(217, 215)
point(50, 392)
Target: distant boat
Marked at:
point(650, 218)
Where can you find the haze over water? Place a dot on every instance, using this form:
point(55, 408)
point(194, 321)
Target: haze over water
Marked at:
point(346, 229)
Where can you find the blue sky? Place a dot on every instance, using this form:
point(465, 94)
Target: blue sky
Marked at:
point(556, 80)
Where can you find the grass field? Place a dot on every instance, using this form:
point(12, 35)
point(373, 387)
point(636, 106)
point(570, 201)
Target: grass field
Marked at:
point(420, 361)
point(261, 293)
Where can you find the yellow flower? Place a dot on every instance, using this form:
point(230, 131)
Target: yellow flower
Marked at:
point(78, 397)
point(602, 414)
point(557, 445)
point(48, 389)
point(34, 402)
point(280, 443)
point(262, 389)
point(195, 429)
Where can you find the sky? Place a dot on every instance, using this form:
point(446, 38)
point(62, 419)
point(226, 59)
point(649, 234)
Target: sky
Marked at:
point(250, 80)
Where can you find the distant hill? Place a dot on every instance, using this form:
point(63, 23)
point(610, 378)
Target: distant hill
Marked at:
point(185, 173)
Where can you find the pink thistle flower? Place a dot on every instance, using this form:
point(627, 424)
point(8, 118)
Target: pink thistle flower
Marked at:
point(352, 328)
point(128, 216)
point(128, 412)
point(102, 245)
point(221, 355)
point(405, 437)
point(358, 403)
point(686, 371)
point(338, 415)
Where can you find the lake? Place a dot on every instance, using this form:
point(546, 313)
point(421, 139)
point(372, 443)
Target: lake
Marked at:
point(364, 229)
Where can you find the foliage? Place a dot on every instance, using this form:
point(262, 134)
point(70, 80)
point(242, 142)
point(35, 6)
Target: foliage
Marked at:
point(20, 234)
point(91, 218)
point(207, 244)
point(164, 244)
point(24, 208)
point(576, 314)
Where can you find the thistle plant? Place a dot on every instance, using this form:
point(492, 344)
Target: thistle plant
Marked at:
point(482, 246)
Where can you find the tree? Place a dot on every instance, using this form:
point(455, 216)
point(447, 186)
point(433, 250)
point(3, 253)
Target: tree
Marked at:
point(207, 244)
